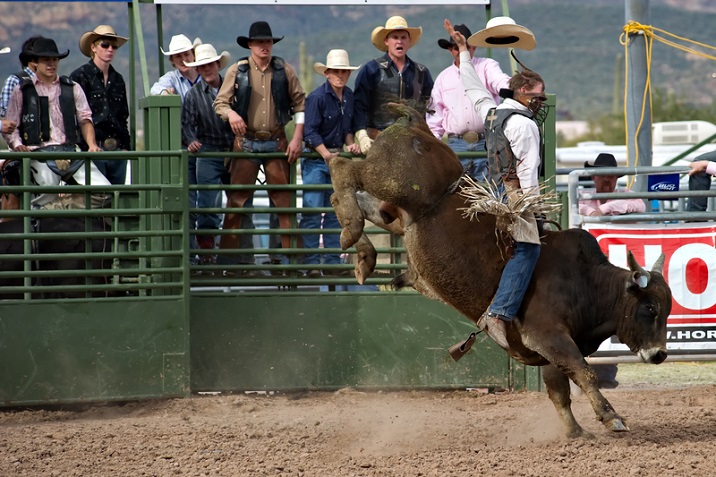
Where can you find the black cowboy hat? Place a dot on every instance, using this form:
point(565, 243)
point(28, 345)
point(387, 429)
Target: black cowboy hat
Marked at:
point(45, 48)
point(257, 31)
point(446, 44)
point(603, 160)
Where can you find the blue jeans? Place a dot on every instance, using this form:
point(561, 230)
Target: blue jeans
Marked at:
point(515, 279)
point(209, 171)
point(700, 181)
point(315, 171)
point(475, 168)
point(115, 171)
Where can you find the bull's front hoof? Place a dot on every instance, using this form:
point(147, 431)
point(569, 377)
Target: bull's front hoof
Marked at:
point(347, 238)
point(616, 425)
point(364, 267)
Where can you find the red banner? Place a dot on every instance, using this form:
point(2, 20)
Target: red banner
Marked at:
point(689, 269)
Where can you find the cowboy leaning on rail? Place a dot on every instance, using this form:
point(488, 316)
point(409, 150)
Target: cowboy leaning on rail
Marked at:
point(48, 109)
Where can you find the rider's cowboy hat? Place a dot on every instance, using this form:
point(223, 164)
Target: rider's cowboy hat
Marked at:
point(206, 54)
point(257, 31)
point(102, 31)
point(503, 32)
point(394, 23)
point(335, 60)
point(5, 50)
point(447, 44)
point(45, 48)
point(180, 44)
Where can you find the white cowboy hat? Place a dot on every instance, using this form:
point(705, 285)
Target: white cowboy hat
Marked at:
point(503, 32)
point(102, 31)
point(5, 50)
point(180, 44)
point(335, 60)
point(394, 23)
point(206, 54)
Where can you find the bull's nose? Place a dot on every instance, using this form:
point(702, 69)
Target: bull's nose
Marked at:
point(659, 357)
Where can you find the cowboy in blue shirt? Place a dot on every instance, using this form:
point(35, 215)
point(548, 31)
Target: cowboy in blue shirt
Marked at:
point(328, 127)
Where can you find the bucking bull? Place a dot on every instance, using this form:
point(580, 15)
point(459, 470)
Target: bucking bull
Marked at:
point(576, 299)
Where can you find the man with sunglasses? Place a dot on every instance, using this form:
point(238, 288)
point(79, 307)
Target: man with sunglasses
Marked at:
point(450, 111)
point(107, 96)
point(513, 154)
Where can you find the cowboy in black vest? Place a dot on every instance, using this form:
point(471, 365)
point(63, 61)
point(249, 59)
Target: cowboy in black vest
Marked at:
point(259, 96)
point(51, 112)
point(391, 77)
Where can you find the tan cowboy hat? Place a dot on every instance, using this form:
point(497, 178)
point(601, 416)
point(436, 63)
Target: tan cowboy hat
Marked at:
point(180, 44)
point(335, 60)
point(394, 23)
point(206, 54)
point(503, 32)
point(102, 31)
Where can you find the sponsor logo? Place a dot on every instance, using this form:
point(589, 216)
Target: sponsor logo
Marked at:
point(663, 187)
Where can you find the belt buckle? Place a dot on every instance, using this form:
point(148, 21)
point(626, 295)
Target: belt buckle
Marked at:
point(110, 144)
point(471, 137)
point(262, 135)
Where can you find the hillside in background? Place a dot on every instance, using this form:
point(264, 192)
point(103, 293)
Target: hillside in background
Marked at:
point(578, 50)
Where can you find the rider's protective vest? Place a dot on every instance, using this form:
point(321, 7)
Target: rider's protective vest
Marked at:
point(390, 87)
point(279, 90)
point(35, 118)
point(501, 162)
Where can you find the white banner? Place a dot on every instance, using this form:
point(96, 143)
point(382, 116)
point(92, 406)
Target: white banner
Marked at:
point(689, 269)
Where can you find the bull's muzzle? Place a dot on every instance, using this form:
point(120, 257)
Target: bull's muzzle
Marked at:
point(653, 355)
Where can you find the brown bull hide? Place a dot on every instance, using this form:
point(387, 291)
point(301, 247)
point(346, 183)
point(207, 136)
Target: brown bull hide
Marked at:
point(576, 299)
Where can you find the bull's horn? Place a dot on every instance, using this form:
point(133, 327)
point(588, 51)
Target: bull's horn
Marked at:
point(659, 264)
point(640, 276)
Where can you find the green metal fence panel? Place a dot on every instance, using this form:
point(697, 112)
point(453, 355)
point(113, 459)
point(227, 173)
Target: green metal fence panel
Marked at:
point(334, 340)
point(83, 352)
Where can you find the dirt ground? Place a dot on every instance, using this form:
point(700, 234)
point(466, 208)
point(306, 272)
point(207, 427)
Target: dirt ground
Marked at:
point(352, 433)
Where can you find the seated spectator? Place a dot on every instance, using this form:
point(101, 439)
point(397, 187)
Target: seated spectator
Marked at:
point(607, 184)
point(607, 373)
point(702, 168)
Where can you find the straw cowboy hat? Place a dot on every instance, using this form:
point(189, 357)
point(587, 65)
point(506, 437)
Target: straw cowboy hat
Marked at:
point(180, 44)
point(45, 48)
point(257, 31)
point(503, 32)
point(446, 44)
point(335, 60)
point(394, 23)
point(102, 31)
point(206, 54)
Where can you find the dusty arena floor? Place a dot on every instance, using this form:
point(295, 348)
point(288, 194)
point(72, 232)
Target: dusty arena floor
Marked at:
point(670, 410)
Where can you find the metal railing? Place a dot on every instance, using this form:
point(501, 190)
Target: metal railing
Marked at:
point(575, 194)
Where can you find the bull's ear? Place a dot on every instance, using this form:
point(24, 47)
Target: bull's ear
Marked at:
point(659, 264)
point(639, 279)
point(638, 271)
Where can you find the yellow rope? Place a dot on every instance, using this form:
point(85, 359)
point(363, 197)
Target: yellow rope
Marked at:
point(650, 34)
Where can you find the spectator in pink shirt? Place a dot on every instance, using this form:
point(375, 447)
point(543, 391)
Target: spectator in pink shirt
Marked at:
point(700, 179)
point(451, 112)
point(607, 184)
point(607, 373)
